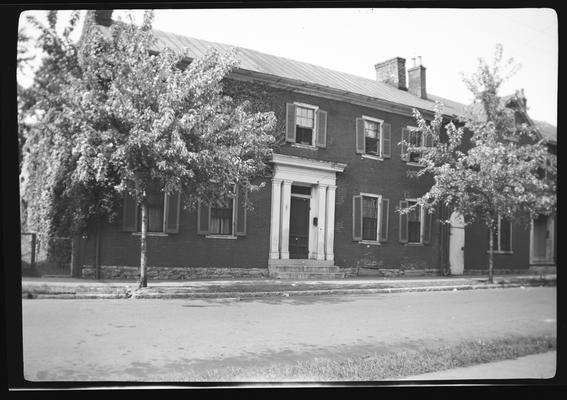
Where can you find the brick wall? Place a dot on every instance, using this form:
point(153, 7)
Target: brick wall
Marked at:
point(387, 178)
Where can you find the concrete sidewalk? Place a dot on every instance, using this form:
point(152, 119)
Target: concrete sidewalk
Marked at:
point(535, 366)
point(74, 288)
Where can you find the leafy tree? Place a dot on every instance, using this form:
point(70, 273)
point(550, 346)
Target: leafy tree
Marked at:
point(487, 165)
point(143, 121)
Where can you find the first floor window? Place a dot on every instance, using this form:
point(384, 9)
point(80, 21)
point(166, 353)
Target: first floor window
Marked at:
point(155, 212)
point(502, 235)
point(163, 212)
point(369, 218)
point(221, 218)
point(414, 224)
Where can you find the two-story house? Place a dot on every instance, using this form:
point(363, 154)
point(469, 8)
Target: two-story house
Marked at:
point(329, 210)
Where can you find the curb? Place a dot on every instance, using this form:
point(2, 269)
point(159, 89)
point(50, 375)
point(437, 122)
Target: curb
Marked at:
point(152, 294)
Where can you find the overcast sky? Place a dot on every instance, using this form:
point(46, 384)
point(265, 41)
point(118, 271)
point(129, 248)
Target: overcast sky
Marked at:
point(449, 41)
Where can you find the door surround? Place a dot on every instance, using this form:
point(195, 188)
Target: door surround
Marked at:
point(321, 176)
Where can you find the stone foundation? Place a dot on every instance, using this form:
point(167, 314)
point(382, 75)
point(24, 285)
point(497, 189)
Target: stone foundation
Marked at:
point(397, 272)
point(170, 273)
point(496, 271)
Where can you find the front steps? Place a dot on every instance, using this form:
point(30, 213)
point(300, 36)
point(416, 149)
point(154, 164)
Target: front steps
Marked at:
point(303, 269)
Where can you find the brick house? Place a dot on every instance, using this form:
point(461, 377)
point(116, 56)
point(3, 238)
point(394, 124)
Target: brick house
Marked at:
point(329, 209)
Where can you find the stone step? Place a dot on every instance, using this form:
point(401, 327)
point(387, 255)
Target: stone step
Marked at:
point(301, 262)
point(307, 275)
point(303, 268)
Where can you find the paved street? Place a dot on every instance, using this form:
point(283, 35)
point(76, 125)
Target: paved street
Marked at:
point(164, 339)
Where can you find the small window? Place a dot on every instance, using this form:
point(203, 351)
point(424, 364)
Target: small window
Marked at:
point(221, 218)
point(305, 125)
point(372, 137)
point(369, 218)
point(155, 212)
point(502, 236)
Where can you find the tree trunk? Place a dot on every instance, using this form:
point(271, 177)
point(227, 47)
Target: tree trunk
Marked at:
point(490, 257)
point(143, 248)
point(97, 249)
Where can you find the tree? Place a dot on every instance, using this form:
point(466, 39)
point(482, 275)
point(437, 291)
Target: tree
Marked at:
point(142, 121)
point(497, 172)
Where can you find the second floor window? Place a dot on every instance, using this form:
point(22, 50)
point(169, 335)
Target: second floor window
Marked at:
point(415, 139)
point(372, 137)
point(305, 124)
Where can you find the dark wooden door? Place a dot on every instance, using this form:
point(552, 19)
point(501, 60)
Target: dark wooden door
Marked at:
point(299, 228)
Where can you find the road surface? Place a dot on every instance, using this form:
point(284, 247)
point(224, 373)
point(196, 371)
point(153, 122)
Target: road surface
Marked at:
point(157, 340)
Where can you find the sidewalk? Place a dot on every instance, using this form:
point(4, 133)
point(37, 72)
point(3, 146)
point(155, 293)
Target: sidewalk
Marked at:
point(535, 366)
point(76, 288)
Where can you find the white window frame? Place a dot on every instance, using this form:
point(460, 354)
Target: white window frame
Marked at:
point(378, 218)
point(381, 139)
point(421, 225)
point(496, 247)
point(314, 133)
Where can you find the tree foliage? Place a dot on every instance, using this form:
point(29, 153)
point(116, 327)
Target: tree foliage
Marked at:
point(501, 170)
point(115, 116)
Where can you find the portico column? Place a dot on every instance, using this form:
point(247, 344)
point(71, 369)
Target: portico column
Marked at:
point(275, 219)
point(322, 194)
point(285, 210)
point(330, 223)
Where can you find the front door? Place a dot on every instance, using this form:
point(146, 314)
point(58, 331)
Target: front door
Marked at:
point(457, 244)
point(542, 246)
point(299, 227)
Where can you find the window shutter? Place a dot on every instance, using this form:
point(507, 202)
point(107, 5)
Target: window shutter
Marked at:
point(405, 138)
point(130, 214)
point(428, 219)
point(360, 145)
point(203, 218)
point(384, 215)
point(290, 123)
point(171, 212)
point(386, 140)
point(321, 140)
point(403, 223)
point(240, 212)
point(357, 218)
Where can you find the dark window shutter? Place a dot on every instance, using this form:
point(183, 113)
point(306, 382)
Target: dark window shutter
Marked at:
point(403, 223)
point(360, 147)
point(171, 213)
point(405, 138)
point(240, 212)
point(357, 218)
point(428, 219)
point(203, 218)
point(386, 140)
point(384, 216)
point(290, 123)
point(321, 140)
point(130, 214)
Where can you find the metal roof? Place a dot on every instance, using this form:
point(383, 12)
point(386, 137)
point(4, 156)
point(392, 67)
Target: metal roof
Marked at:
point(256, 61)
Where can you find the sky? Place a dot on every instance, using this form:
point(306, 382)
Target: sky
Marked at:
point(353, 40)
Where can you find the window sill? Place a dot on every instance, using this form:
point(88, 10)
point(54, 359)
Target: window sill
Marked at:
point(370, 242)
point(372, 157)
point(231, 237)
point(304, 146)
point(500, 252)
point(150, 234)
point(414, 244)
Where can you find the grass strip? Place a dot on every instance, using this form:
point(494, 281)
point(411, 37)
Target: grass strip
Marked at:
point(387, 365)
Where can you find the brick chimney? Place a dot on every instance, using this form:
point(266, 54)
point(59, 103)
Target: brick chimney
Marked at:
point(392, 72)
point(103, 17)
point(416, 79)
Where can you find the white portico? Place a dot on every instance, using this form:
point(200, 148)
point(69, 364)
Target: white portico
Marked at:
point(303, 194)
